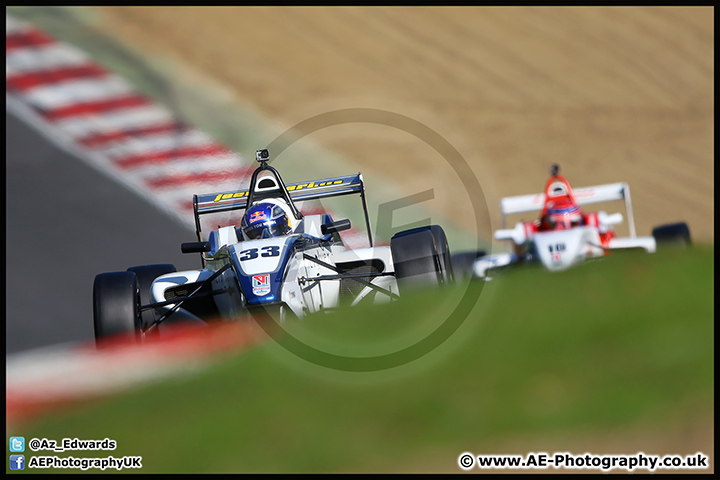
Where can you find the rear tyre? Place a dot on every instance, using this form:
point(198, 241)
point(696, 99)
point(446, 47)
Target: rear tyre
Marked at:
point(146, 274)
point(463, 264)
point(421, 257)
point(116, 305)
point(672, 234)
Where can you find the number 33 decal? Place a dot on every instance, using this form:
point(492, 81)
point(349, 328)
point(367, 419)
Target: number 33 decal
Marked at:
point(249, 254)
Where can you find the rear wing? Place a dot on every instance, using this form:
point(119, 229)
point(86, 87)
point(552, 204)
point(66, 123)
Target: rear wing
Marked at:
point(584, 196)
point(317, 189)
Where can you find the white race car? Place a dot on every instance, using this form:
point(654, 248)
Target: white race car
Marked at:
point(277, 261)
point(566, 235)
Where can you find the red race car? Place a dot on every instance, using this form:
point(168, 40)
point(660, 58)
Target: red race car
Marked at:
point(564, 234)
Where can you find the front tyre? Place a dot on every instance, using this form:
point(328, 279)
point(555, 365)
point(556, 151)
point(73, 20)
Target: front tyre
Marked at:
point(116, 305)
point(421, 257)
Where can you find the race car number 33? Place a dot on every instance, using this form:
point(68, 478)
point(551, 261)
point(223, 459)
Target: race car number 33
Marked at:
point(251, 253)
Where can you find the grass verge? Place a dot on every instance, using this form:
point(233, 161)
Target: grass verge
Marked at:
point(622, 342)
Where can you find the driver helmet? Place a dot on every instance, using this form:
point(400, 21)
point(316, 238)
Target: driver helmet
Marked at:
point(562, 215)
point(265, 219)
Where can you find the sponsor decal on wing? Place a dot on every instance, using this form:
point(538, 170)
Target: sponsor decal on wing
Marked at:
point(291, 188)
point(228, 196)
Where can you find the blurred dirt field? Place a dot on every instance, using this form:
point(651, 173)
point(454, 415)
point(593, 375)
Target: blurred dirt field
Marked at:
point(609, 93)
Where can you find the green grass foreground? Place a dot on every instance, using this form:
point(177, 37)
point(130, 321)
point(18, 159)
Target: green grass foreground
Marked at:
point(622, 342)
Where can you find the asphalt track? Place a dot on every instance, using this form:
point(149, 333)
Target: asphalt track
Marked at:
point(65, 223)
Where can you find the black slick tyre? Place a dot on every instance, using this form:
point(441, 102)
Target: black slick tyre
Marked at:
point(463, 264)
point(116, 305)
point(421, 258)
point(672, 234)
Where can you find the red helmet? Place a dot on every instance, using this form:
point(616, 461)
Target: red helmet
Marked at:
point(562, 215)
